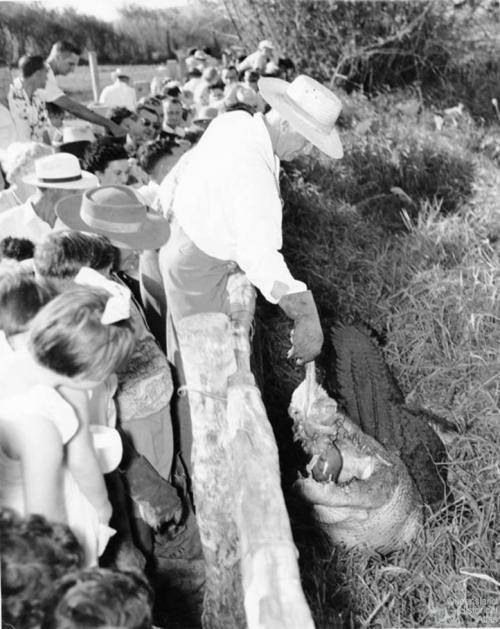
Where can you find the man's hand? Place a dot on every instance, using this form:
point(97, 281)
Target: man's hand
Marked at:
point(307, 336)
point(116, 130)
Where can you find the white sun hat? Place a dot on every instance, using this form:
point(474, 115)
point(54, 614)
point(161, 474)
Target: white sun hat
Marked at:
point(310, 108)
point(61, 170)
point(78, 134)
point(266, 43)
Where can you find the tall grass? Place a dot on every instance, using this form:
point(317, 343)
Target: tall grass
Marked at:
point(430, 286)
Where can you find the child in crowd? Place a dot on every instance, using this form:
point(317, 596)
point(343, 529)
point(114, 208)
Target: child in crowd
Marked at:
point(56, 117)
point(73, 344)
point(35, 552)
point(143, 382)
point(100, 598)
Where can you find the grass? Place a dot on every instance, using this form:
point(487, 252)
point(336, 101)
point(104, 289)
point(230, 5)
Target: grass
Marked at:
point(425, 272)
point(426, 275)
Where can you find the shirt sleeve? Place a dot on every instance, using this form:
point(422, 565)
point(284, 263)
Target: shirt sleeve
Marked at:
point(19, 115)
point(256, 221)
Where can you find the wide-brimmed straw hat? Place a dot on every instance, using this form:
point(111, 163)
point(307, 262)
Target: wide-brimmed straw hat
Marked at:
point(310, 108)
point(61, 170)
point(114, 211)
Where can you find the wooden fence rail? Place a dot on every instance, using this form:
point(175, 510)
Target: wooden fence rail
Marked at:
point(252, 572)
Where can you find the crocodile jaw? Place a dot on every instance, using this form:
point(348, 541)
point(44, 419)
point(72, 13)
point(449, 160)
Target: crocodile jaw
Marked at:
point(374, 502)
point(381, 512)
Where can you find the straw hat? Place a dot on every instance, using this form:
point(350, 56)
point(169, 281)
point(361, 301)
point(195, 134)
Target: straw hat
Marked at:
point(206, 113)
point(77, 134)
point(62, 171)
point(119, 74)
point(266, 43)
point(310, 108)
point(114, 211)
point(200, 55)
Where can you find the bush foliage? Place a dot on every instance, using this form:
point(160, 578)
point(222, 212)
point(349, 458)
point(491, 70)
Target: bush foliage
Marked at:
point(453, 52)
point(431, 291)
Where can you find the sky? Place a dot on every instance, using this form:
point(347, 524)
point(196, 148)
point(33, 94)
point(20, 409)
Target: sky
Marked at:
point(105, 9)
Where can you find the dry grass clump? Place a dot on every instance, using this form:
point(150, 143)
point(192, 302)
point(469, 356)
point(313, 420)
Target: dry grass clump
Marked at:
point(432, 291)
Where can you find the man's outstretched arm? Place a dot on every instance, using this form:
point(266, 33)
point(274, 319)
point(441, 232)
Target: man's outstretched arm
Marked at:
point(80, 111)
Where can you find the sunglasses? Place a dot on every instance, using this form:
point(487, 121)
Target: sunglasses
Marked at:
point(148, 123)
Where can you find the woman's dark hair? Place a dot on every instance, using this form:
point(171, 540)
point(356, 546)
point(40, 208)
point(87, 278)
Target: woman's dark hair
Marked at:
point(150, 153)
point(29, 64)
point(98, 154)
point(16, 248)
point(21, 297)
point(98, 597)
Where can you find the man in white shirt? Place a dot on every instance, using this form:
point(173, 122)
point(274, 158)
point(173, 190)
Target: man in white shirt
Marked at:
point(258, 59)
point(56, 176)
point(227, 210)
point(62, 60)
point(120, 93)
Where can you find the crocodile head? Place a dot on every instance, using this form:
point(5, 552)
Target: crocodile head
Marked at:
point(360, 492)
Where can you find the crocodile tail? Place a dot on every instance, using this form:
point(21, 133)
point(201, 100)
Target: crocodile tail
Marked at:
point(361, 380)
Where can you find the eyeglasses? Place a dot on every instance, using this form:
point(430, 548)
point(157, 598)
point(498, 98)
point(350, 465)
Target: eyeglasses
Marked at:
point(149, 123)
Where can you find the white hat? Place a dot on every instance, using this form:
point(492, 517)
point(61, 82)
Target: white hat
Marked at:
point(116, 74)
point(206, 113)
point(266, 43)
point(61, 170)
point(310, 108)
point(201, 55)
point(107, 446)
point(77, 134)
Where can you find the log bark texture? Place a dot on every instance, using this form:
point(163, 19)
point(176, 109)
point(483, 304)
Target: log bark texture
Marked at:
point(208, 359)
point(253, 577)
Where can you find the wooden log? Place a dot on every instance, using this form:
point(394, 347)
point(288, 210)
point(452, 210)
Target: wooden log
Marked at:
point(208, 360)
point(273, 596)
point(94, 75)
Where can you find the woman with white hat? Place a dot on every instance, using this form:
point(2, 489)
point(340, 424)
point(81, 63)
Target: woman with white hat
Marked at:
point(227, 209)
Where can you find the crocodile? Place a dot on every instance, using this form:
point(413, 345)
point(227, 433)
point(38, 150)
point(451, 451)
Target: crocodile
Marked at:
point(375, 463)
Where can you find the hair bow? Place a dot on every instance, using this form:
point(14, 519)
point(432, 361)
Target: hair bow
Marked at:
point(118, 305)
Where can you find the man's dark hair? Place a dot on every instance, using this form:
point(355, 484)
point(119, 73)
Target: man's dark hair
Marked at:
point(29, 64)
point(16, 248)
point(54, 110)
point(64, 46)
point(100, 597)
point(98, 154)
point(21, 297)
point(119, 114)
point(253, 75)
point(172, 92)
point(194, 73)
point(146, 108)
point(61, 254)
point(216, 86)
point(150, 153)
point(35, 553)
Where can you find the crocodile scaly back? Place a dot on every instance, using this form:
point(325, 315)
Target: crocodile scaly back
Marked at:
point(371, 398)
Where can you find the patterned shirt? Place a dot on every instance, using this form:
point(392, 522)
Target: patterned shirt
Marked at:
point(29, 114)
